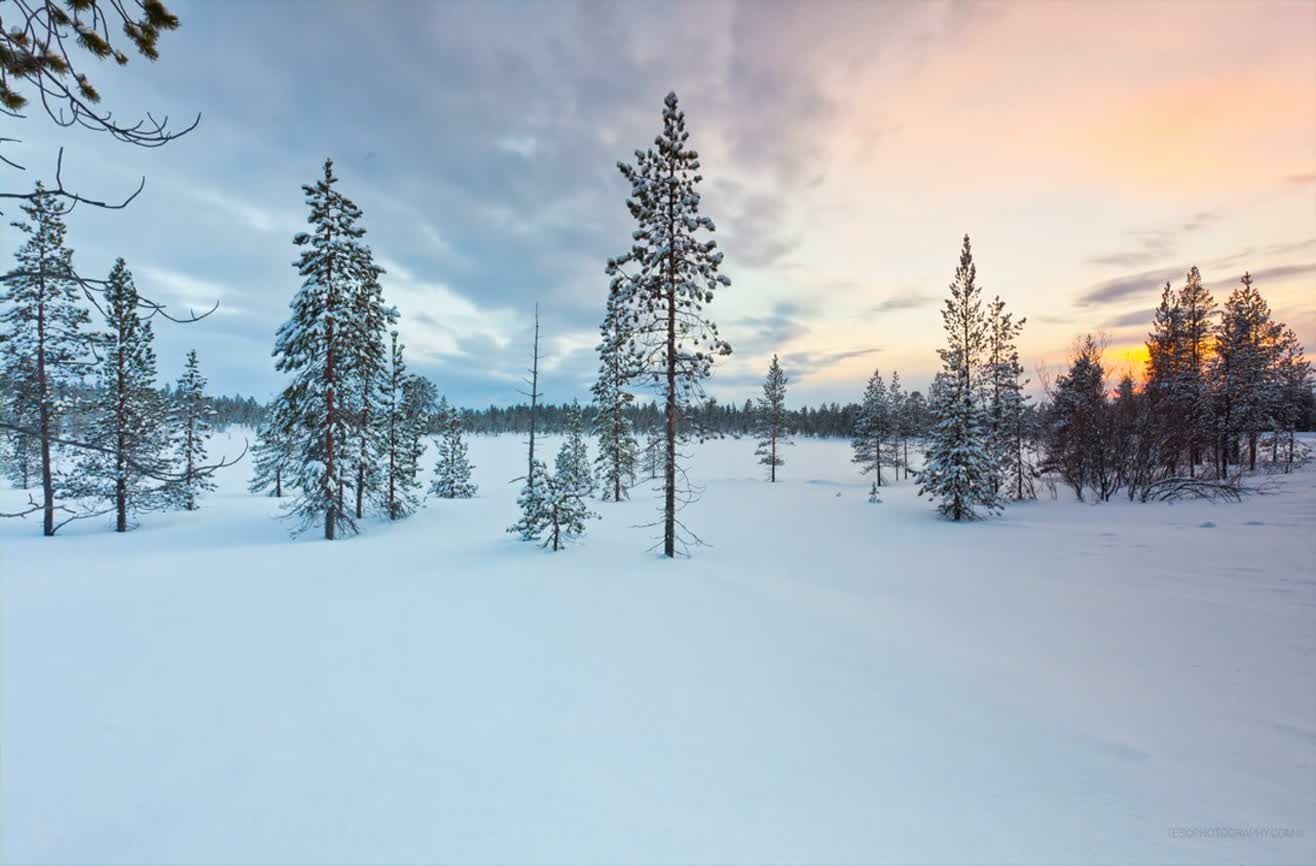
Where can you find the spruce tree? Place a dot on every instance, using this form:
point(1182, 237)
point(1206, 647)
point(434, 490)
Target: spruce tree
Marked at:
point(662, 285)
point(612, 423)
point(314, 346)
point(531, 503)
point(365, 368)
point(959, 471)
point(770, 420)
point(1166, 363)
point(553, 509)
point(128, 414)
point(1191, 396)
point(20, 453)
point(1241, 374)
point(405, 404)
point(273, 456)
point(572, 465)
point(46, 342)
point(191, 423)
point(452, 470)
point(896, 451)
point(872, 431)
point(1293, 378)
point(1007, 404)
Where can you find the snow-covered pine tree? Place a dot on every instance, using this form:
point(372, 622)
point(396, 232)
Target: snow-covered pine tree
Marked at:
point(313, 346)
point(653, 453)
point(1165, 365)
point(404, 407)
point(1292, 373)
point(1192, 398)
point(1007, 404)
point(531, 503)
point(612, 423)
point(572, 467)
point(20, 453)
point(452, 470)
point(662, 285)
point(872, 429)
point(128, 413)
point(273, 456)
point(191, 423)
point(1080, 441)
point(897, 441)
point(1241, 374)
point(46, 344)
point(365, 368)
point(959, 470)
point(770, 420)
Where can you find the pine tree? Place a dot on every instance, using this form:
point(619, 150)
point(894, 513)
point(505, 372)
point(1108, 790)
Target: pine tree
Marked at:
point(191, 423)
point(273, 456)
point(365, 364)
point(46, 344)
point(872, 429)
point(1241, 374)
point(959, 470)
point(770, 420)
point(405, 403)
point(20, 453)
point(1008, 404)
point(612, 423)
point(129, 414)
point(1293, 378)
point(452, 470)
point(531, 502)
point(313, 346)
point(554, 510)
point(1165, 369)
point(672, 276)
point(572, 466)
point(1080, 430)
point(896, 452)
point(653, 454)
point(1192, 398)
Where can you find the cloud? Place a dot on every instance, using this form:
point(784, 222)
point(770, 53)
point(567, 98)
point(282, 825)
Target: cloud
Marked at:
point(1119, 288)
point(193, 294)
point(524, 146)
point(1129, 319)
point(1282, 272)
point(910, 299)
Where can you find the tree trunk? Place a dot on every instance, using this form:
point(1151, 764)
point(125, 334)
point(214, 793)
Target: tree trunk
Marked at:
point(331, 417)
point(121, 444)
point(669, 471)
point(534, 402)
point(43, 394)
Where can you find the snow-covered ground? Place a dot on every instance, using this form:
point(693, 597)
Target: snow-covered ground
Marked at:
point(830, 681)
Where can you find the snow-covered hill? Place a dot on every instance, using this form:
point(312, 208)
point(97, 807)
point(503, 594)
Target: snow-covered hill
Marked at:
point(830, 681)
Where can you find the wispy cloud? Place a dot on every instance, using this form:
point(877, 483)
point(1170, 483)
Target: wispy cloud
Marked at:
point(908, 300)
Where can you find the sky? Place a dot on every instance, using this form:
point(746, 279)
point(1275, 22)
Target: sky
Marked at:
point(1091, 151)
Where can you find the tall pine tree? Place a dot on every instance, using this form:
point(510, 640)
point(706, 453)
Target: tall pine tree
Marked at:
point(46, 343)
point(770, 420)
point(129, 414)
point(405, 404)
point(662, 285)
point(314, 346)
point(191, 423)
point(612, 422)
point(960, 470)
